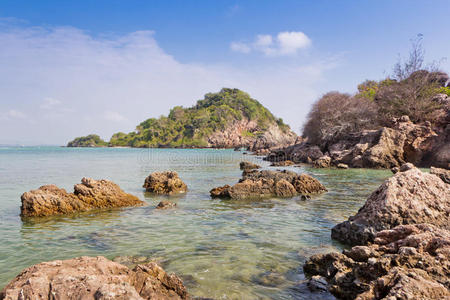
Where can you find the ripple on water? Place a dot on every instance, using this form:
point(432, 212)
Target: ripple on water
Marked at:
point(222, 249)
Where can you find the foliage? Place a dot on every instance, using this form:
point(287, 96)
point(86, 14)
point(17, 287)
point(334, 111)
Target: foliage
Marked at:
point(337, 115)
point(444, 90)
point(191, 127)
point(91, 140)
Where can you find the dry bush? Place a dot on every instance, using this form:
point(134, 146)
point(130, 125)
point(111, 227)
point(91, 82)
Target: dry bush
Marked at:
point(337, 115)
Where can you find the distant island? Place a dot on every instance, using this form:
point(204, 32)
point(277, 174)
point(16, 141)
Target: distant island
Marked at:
point(227, 119)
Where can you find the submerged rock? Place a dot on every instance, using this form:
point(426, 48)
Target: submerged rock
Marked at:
point(406, 262)
point(166, 205)
point(246, 165)
point(94, 278)
point(259, 184)
point(408, 197)
point(90, 194)
point(166, 182)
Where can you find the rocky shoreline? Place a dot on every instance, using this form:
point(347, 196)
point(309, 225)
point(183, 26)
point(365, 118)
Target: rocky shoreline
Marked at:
point(400, 239)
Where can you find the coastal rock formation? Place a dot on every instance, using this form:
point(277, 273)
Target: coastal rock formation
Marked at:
point(408, 197)
point(299, 153)
point(166, 182)
point(166, 205)
point(386, 147)
point(90, 194)
point(405, 262)
point(259, 184)
point(246, 165)
point(94, 278)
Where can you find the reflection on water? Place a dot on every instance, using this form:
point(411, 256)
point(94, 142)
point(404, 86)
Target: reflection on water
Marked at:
point(221, 248)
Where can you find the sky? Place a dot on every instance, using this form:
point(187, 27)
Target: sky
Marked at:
point(71, 68)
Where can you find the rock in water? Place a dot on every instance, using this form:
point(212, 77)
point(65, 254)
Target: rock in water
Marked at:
point(166, 182)
point(246, 165)
point(93, 278)
point(406, 262)
point(90, 194)
point(408, 197)
point(165, 205)
point(259, 184)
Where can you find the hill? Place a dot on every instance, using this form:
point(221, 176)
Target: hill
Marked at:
point(227, 119)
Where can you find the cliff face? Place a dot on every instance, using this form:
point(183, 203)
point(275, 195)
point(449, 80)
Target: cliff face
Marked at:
point(227, 119)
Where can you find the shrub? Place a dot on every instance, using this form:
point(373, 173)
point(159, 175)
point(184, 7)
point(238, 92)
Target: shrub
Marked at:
point(336, 115)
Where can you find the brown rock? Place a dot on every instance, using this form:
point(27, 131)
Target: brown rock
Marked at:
point(90, 194)
point(166, 205)
point(166, 182)
point(408, 197)
point(283, 163)
point(342, 166)
point(259, 184)
point(246, 165)
point(441, 173)
point(297, 153)
point(322, 162)
point(93, 278)
point(406, 262)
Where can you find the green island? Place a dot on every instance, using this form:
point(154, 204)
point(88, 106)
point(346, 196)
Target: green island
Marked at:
point(193, 127)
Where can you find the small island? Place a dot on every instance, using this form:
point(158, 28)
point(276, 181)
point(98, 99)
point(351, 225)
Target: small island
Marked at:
point(227, 119)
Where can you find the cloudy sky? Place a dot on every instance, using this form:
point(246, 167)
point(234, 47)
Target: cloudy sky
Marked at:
point(70, 68)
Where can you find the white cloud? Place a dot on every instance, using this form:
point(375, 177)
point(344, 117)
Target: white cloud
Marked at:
point(50, 103)
point(291, 42)
point(240, 47)
point(109, 77)
point(286, 43)
point(113, 116)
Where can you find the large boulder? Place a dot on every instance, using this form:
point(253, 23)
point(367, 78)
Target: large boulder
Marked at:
point(322, 162)
point(408, 197)
point(90, 194)
point(260, 184)
point(93, 278)
point(166, 182)
point(406, 262)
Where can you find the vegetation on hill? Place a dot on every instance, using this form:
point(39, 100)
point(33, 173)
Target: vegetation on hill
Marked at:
point(91, 140)
point(411, 90)
point(191, 127)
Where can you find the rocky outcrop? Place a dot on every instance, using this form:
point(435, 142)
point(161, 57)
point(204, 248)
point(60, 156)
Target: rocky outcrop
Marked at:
point(386, 147)
point(299, 153)
point(90, 194)
point(272, 138)
point(94, 278)
point(260, 184)
point(405, 262)
point(246, 165)
point(166, 182)
point(408, 197)
point(166, 205)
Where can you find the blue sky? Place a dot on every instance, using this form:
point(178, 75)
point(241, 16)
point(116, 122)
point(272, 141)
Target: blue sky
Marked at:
point(70, 68)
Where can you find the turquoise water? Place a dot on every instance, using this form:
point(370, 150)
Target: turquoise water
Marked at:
point(222, 249)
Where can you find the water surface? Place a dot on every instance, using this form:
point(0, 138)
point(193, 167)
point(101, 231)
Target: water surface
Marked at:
point(222, 249)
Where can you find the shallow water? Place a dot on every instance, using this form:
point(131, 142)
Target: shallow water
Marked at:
point(222, 249)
